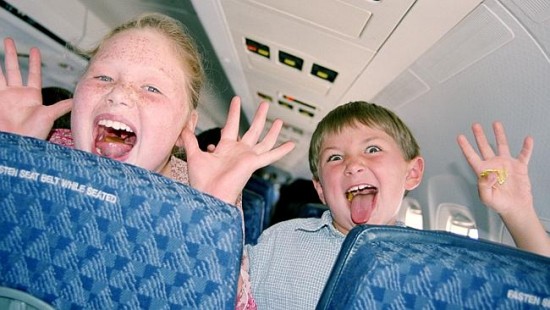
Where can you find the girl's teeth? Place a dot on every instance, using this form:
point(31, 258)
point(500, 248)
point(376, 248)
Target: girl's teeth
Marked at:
point(115, 125)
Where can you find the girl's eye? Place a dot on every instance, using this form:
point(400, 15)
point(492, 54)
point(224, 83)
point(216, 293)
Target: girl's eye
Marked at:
point(334, 158)
point(372, 149)
point(152, 89)
point(104, 78)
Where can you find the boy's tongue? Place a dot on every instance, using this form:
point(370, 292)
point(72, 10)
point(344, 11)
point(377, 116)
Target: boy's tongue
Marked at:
point(362, 206)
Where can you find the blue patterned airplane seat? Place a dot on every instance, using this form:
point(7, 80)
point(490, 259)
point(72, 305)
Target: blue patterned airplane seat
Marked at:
point(388, 267)
point(253, 213)
point(265, 189)
point(86, 232)
point(311, 209)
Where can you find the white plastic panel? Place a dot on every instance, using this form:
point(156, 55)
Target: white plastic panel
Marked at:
point(350, 21)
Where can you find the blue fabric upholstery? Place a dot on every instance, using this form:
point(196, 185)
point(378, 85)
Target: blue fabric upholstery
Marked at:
point(311, 209)
point(386, 267)
point(82, 231)
point(267, 190)
point(253, 212)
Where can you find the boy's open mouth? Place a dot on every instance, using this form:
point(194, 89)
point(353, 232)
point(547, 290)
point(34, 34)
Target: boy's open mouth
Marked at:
point(114, 139)
point(363, 200)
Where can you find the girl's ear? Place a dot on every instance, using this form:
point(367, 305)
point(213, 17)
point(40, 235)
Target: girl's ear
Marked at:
point(319, 189)
point(415, 173)
point(189, 126)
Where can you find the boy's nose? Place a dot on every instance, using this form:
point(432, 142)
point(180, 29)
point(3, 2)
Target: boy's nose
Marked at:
point(354, 165)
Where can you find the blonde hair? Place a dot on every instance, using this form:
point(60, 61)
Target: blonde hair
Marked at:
point(183, 42)
point(368, 114)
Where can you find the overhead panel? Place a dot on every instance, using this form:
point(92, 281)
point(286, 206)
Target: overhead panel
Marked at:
point(350, 20)
point(302, 49)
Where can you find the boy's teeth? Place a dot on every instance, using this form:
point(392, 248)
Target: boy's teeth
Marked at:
point(354, 190)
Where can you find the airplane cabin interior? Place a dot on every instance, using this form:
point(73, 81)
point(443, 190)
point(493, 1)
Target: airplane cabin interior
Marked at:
point(441, 65)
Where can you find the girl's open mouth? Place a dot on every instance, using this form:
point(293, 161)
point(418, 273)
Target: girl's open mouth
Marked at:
point(114, 139)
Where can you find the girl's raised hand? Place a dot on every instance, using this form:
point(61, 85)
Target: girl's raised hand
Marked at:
point(224, 170)
point(21, 108)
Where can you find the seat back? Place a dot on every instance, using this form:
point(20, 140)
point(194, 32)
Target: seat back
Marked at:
point(311, 209)
point(82, 231)
point(265, 189)
point(253, 213)
point(386, 267)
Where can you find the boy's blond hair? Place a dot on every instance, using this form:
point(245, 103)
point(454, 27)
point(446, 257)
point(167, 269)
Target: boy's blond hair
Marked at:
point(369, 114)
point(183, 43)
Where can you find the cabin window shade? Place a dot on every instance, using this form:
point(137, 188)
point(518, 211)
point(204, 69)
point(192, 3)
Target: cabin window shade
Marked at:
point(457, 219)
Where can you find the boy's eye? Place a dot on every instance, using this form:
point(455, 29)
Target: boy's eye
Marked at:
point(334, 158)
point(104, 78)
point(372, 149)
point(152, 89)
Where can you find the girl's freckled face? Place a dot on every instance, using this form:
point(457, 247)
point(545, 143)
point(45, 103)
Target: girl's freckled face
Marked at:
point(136, 78)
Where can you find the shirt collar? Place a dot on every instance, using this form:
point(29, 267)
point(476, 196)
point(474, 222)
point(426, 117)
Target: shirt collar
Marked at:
point(326, 221)
point(320, 223)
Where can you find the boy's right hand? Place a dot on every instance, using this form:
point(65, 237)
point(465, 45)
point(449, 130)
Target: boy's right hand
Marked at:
point(21, 108)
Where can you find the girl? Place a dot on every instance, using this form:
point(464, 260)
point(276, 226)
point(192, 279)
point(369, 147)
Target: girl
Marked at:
point(136, 102)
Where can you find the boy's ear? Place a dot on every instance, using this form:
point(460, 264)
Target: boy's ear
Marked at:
point(319, 190)
point(189, 126)
point(415, 173)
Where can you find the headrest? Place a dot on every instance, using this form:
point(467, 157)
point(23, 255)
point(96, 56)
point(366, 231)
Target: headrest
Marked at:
point(389, 267)
point(83, 231)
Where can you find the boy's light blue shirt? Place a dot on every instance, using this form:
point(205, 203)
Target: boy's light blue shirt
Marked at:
point(292, 261)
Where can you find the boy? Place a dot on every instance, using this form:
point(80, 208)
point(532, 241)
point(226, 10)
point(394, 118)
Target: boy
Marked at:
point(363, 159)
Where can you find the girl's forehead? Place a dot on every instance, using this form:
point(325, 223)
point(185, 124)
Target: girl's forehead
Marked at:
point(141, 48)
point(129, 44)
point(137, 45)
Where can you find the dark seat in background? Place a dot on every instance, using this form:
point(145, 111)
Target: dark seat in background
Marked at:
point(387, 267)
point(297, 199)
point(267, 191)
point(311, 210)
point(253, 213)
point(82, 231)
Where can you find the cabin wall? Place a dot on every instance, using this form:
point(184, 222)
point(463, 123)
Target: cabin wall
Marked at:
point(493, 66)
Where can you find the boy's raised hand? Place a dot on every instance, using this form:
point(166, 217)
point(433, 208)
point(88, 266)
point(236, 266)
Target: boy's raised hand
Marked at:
point(21, 108)
point(514, 194)
point(511, 196)
point(224, 171)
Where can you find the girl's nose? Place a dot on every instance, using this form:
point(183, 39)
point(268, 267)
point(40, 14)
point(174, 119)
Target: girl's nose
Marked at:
point(121, 94)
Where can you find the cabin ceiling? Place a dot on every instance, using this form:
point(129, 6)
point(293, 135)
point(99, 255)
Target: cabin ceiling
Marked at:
point(270, 50)
point(313, 75)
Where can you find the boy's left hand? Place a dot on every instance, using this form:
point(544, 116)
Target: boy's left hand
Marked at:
point(224, 171)
point(514, 194)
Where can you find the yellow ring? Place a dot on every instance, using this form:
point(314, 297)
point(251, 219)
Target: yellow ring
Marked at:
point(501, 174)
